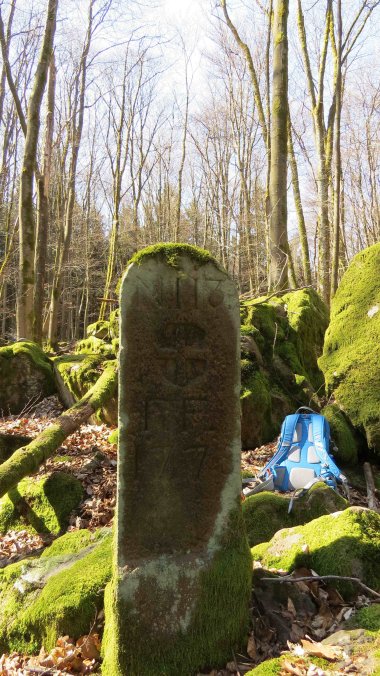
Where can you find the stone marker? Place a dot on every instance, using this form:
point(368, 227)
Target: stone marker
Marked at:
point(179, 596)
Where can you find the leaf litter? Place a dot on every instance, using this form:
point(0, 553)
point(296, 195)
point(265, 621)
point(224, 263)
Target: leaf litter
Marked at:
point(296, 624)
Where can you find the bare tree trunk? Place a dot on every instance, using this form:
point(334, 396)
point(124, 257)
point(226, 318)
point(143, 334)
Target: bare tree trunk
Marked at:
point(76, 132)
point(337, 153)
point(278, 273)
point(43, 208)
point(25, 309)
point(299, 210)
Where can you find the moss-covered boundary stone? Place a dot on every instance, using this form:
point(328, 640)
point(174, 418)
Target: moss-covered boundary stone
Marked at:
point(180, 536)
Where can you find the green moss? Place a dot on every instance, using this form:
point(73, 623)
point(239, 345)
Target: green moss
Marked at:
point(288, 331)
point(267, 668)
point(345, 543)
point(26, 375)
point(170, 252)
point(60, 594)
point(367, 618)
point(78, 374)
point(93, 345)
point(41, 506)
point(114, 323)
point(351, 355)
point(266, 513)
point(219, 622)
point(342, 434)
point(114, 437)
point(99, 329)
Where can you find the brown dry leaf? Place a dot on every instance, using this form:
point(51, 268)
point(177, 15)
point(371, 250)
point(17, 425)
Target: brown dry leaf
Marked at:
point(329, 652)
point(291, 668)
point(291, 607)
point(89, 646)
point(251, 647)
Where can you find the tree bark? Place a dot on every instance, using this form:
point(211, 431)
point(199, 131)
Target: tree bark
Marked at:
point(28, 459)
point(278, 271)
point(26, 208)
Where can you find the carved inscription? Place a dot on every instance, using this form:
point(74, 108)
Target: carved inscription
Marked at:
point(179, 361)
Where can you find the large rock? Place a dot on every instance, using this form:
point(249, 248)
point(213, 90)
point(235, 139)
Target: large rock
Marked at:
point(75, 375)
point(41, 505)
point(54, 595)
point(282, 339)
point(344, 543)
point(266, 513)
point(181, 584)
point(351, 354)
point(26, 376)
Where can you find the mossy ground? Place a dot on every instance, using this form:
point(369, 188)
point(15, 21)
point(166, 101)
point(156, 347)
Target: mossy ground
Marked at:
point(219, 622)
point(94, 345)
point(280, 372)
point(55, 595)
point(41, 505)
point(266, 513)
point(345, 543)
point(351, 355)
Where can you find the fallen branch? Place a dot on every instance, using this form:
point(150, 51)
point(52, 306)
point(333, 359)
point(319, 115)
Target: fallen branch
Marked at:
point(316, 578)
point(27, 460)
point(371, 488)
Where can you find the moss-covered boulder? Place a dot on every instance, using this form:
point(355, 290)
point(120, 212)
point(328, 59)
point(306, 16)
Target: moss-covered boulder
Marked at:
point(344, 543)
point(282, 339)
point(26, 376)
point(266, 513)
point(99, 329)
point(57, 594)
point(351, 354)
point(41, 505)
point(75, 375)
point(342, 434)
point(94, 345)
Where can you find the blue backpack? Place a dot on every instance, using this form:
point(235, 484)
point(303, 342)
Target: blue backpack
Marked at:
point(302, 455)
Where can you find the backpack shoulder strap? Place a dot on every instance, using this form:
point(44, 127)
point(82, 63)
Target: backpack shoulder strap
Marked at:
point(321, 437)
point(285, 441)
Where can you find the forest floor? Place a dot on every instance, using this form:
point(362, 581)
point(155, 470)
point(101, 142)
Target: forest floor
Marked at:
point(276, 626)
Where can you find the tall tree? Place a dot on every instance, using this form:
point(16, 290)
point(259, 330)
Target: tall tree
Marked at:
point(279, 248)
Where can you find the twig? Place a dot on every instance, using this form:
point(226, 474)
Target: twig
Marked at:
point(315, 578)
point(371, 488)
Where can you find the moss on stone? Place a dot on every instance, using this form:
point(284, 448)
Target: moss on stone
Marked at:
point(266, 513)
point(75, 375)
point(114, 437)
point(351, 355)
point(26, 375)
point(114, 323)
point(41, 505)
point(344, 543)
point(170, 252)
point(268, 668)
point(99, 329)
point(94, 345)
point(288, 333)
point(218, 623)
point(58, 594)
point(342, 434)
